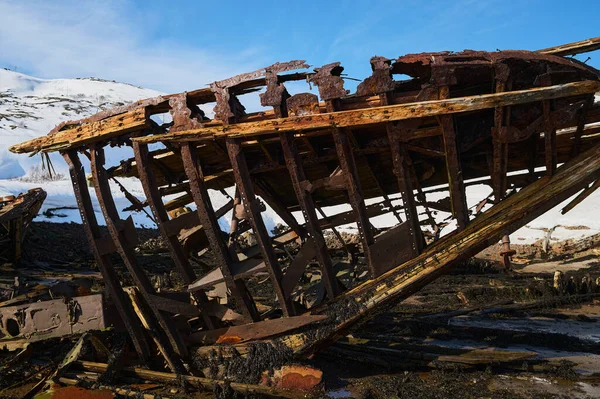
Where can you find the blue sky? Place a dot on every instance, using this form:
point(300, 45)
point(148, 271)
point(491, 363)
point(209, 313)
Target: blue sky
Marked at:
point(181, 45)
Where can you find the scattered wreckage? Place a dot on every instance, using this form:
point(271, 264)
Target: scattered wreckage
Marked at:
point(16, 213)
point(507, 119)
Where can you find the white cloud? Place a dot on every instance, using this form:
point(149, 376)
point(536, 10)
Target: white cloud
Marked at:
point(107, 39)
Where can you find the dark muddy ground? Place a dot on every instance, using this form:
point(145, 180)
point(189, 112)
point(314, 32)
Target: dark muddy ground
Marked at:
point(429, 346)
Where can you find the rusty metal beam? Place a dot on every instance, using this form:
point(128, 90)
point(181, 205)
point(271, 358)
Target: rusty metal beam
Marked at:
point(209, 222)
point(455, 179)
point(402, 165)
point(182, 264)
point(299, 181)
point(355, 196)
point(244, 183)
point(125, 249)
point(110, 277)
point(549, 139)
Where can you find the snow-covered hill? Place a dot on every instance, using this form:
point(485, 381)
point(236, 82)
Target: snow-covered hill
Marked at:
point(31, 107)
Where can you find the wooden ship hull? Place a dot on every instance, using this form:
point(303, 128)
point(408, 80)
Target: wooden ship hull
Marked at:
point(524, 123)
point(16, 214)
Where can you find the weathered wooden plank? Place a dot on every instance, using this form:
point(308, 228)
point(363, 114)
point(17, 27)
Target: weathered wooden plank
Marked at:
point(254, 331)
point(583, 46)
point(250, 201)
point(84, 134)
point(389, 113)
point(583, 195)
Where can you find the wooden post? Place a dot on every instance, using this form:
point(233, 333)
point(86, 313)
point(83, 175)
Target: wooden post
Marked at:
point(455, 177)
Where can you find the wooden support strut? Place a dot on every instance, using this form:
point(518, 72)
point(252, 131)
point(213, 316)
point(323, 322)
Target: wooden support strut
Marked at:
point(296, 171)
point(208, 219)
point(549, 139)
point(455, 179)
point(125, 250)
point(110, 277)
point(500, 156)
point(581, 124)
point(402, 163)
point(355, 196)
point(182, 264)
point(244, 184)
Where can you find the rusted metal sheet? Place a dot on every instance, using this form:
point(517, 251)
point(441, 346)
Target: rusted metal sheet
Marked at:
point(50, 319)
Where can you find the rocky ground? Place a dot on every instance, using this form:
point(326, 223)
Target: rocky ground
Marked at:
point(479, 332)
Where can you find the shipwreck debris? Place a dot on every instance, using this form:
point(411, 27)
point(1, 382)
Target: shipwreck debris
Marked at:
point(493, 116)
point(16, 213)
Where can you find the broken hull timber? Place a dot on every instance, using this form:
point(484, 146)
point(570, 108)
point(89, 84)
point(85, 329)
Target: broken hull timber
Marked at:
point(15, 217)
point(461, 116)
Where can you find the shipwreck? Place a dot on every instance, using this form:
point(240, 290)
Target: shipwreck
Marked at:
point(524, 122)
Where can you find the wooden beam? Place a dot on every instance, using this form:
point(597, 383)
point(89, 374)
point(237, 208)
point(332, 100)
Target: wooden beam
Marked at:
point(208, 219)
point(389, 113)
point(456, 185)
point(84, 134)
point(125, 249)
point(110, 277)
point(583, 195)
point(355, 195)
point(583, 46)
point(243, 182)
point(296, 171)
point(178, 254)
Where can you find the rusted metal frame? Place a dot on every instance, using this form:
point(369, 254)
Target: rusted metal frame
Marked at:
point(143, 159)
point(532, 149)
point(581, 125)
point(125, 250)
point(244, 183)
point(355, 196)
point(209, 222)
point(266, 193)
point(455, 179)
point(110, 277)
point(296, 171)
point(402, 163)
